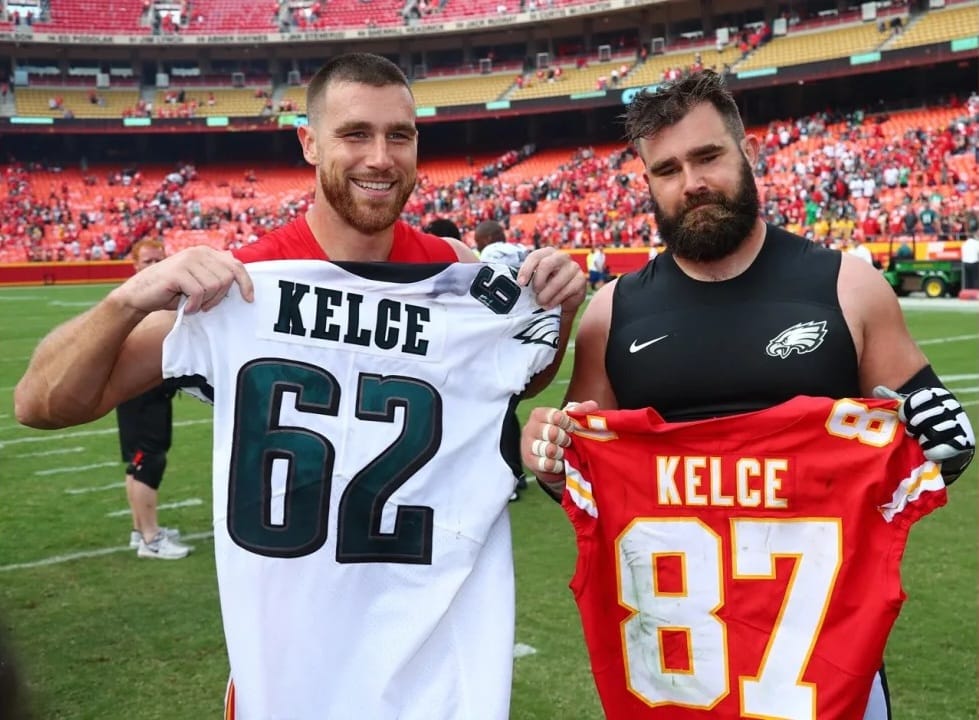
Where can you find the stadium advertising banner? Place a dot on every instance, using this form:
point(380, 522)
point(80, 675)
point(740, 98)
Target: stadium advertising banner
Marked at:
point(314, 36)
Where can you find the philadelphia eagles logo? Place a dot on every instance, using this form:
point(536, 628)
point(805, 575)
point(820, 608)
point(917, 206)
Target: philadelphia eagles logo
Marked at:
point(542, 330)
point(802, 338)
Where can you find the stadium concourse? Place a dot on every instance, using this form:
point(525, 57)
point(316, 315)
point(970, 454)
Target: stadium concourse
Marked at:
point(836, 180)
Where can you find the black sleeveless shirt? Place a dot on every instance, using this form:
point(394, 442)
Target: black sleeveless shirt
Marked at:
point(693, 349)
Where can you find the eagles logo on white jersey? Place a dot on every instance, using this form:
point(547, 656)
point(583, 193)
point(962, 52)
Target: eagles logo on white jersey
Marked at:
point(802, 338)
point(543, 329)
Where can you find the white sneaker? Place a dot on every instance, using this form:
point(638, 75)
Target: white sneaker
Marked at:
point(134, 536)
point(162, 547)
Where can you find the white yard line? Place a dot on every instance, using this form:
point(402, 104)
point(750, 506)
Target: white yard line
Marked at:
point(189, 502)
point(43, 453)
point(48, 437)
point(58, 559)
point(99, 488)
point(521, 650)
point(953, 338)
point(74, 468)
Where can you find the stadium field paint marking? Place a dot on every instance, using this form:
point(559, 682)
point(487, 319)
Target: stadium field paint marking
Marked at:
point(43, 453)
point(100, 488)
point(19, 298)
point(954, 378)
point(189, 502)
point(74, 468)
point(18, 359)
point(519, 650)
point(47, 438)
point(953, 338)
point(85, 554)
point(74, 303)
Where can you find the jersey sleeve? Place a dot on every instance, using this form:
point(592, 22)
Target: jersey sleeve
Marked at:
point(187, 347)
point(503, 254)
point(529, 340)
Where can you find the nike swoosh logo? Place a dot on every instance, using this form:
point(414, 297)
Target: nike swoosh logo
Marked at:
point(637, 346)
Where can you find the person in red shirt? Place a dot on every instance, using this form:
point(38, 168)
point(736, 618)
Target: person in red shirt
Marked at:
point(362, 141)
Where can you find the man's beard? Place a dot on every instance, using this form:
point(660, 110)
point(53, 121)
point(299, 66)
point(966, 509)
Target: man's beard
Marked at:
point(705, 234)
point(367, 216)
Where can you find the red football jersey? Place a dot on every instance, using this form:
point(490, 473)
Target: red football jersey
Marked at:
point(296, 241)
point(746, 566)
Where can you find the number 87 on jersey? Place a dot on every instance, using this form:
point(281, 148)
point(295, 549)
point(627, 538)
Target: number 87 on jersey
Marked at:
point(747, 566)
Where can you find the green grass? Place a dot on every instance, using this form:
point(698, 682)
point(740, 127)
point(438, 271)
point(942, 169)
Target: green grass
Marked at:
point(110, 637)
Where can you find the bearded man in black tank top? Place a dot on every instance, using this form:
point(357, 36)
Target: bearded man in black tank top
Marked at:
point(737, 315)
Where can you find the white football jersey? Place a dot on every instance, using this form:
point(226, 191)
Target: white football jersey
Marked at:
point(360, 528)
point(504, 253)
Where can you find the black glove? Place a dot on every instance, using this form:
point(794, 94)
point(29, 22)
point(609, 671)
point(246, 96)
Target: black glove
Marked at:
point(937, 420)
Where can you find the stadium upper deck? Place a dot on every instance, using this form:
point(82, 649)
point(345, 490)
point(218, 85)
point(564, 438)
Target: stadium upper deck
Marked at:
point(599, 68)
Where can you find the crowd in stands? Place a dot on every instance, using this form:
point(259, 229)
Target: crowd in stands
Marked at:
point(833, 178)
point(172, 21)
point(23, 19)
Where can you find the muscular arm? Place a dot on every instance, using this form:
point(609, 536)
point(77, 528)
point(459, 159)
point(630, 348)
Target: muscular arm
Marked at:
point(113, 352)
point(557, 281)
point(589, 380)
point(462, 250)
point(90, 364)
point(886, 353)
point(589, 384)
point(544, 378)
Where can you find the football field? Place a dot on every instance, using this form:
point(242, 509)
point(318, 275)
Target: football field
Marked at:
point(105, 636)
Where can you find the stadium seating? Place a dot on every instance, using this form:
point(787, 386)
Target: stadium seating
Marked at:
point(225, 16)
point(589, 190)
point(446, 171)
point(799, 48)
point(357, 14)
point(950, 23)
point(573, 80)
point(113, 16)
point(651, 71)
point(463, 90)
point(228, 102)
point(35, 102)
point(461, 9)
point(297, 96)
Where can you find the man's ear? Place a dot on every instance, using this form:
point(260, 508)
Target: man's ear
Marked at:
point(307, 140)
point(751, 149)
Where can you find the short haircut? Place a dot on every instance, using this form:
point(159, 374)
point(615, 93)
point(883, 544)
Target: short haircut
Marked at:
point(443, 227)
point(358, 67)
point(138, 246)
point(650, 112)
point(489, 231)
